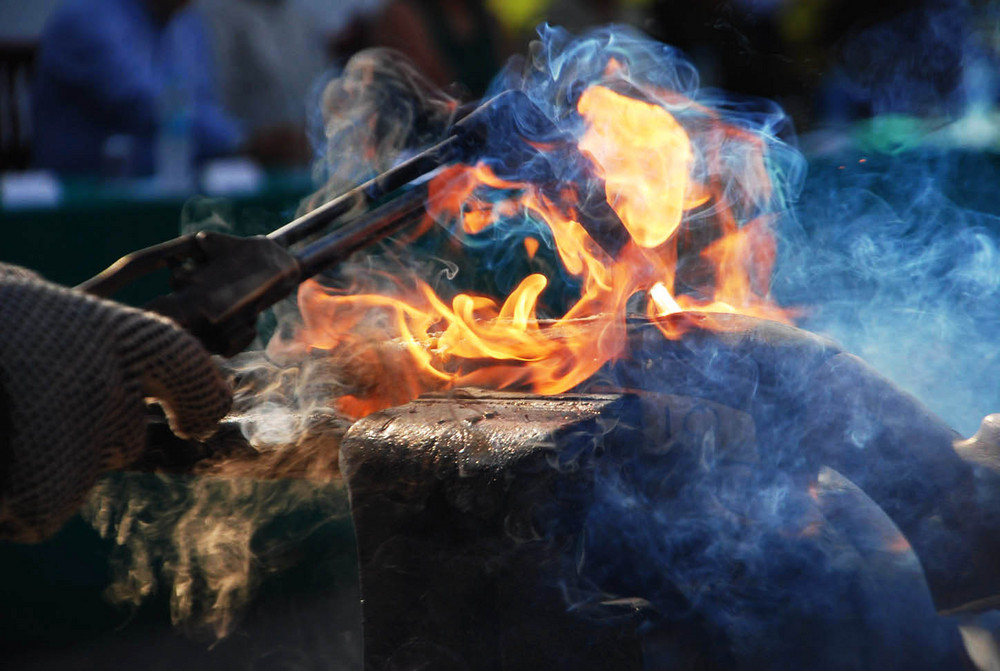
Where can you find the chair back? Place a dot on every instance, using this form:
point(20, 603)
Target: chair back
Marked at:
point(17, 61)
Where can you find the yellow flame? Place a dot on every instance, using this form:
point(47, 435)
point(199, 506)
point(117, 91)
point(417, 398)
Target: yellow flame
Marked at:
point(413, 341)
point(644, 157)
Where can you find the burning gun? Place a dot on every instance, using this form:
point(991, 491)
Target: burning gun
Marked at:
point(222, 282)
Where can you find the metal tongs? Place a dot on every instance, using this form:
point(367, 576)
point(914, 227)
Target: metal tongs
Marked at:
point(220, 282)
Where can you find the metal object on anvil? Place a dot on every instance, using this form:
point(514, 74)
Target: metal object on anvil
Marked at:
point(475, 519)
point(506, 531)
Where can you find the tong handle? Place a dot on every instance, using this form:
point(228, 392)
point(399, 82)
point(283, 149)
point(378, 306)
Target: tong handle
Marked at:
point(221, 283)
point(138, 264)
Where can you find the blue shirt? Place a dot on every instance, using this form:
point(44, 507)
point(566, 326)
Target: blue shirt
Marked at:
point(106, 68)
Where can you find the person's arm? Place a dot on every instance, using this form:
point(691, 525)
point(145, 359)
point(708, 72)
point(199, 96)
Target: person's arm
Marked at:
point(74, 373)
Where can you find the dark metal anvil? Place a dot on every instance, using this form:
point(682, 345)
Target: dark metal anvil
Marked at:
point(752, 498)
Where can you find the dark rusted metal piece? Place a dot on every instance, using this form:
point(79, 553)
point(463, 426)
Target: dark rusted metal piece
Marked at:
point(166, 453)
point(312, 454)
point(447, 494)
point(477, 516)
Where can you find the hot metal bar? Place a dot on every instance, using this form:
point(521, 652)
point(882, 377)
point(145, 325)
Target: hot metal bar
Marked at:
point(363, 196)
point(467, 136)
point(362, 232)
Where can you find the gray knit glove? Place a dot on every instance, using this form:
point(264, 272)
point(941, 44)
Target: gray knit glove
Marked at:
point(74, 372)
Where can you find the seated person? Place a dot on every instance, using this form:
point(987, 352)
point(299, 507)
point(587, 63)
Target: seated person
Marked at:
point(113, 68)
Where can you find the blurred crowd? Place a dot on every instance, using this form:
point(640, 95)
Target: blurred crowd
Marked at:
point(139, 87)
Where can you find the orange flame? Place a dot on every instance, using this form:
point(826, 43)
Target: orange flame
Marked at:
point(413, 341)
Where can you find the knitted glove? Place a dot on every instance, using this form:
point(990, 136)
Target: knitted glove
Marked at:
point(74, 372)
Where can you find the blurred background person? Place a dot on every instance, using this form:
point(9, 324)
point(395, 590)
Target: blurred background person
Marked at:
point(345, 24)
point(118, 77)
point(580, 15)
point(270, 54)
point(450, 41)
point(749, 47)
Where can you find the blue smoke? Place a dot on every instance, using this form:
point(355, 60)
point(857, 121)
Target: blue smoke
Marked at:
point(897, 258)
point(783, 561)
point(792, 551)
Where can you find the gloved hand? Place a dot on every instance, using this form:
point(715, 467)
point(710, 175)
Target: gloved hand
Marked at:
point(74, 372)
